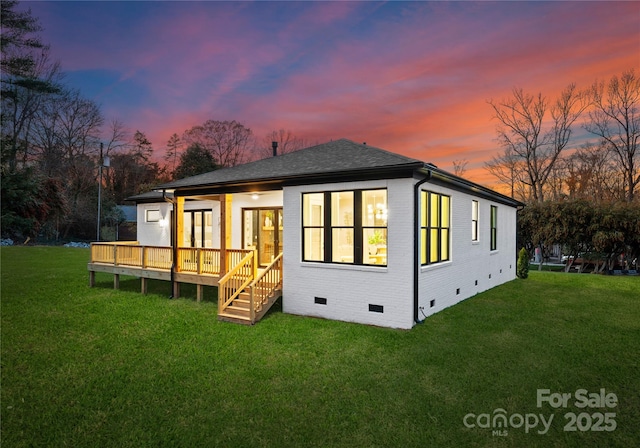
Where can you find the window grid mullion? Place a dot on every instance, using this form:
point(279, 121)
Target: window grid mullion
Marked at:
point(328, 237)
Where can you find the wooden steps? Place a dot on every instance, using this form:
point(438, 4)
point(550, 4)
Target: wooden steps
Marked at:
point(239, 311)
point(244, 295)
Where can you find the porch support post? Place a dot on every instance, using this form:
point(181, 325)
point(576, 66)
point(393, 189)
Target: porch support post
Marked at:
point(179, 218)
point(116, 281)
point(144, 283)
point(225, 232)
point(176, 290)
point(92, 278)
point(199, 292)
point(178, 236)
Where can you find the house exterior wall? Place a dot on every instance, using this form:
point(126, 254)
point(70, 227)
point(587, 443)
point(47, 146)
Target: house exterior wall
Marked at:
point(154, 233)
point(159, 233)
point(349, 289)
point(450, 282)
point(240, 201)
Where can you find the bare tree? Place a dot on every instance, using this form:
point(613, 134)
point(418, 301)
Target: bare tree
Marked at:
point(460, 167)
point(508, 169)
point(227, 141)
point(615, 118)
point(78, 127)
point(118, 135)
point(592, 174)
point(287, 142)
point(22, 99)
point(525, 129)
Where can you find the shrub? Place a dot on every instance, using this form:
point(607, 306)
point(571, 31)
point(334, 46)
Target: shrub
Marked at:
point(522, 268)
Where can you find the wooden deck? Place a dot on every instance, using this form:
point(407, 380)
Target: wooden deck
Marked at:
point(244, 292)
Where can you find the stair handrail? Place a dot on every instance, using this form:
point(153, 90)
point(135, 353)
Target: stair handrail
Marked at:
point(223, 301)
point(268, 271)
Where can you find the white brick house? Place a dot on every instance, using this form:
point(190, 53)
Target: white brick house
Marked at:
point(367, 235)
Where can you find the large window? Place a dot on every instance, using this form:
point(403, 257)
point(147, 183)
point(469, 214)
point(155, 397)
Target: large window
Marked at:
point(494, 227)
point(474, 220)
point(355, 231)
point(374, 226)
point(342, 227)
point(435, 229)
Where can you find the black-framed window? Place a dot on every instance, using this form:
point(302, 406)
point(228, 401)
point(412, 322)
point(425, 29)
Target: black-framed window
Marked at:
point(435, 227)
point(347, 227)
point(152, 215)
point(475, 217)
point(494, 227)
point(313, 226)
point(197, 228)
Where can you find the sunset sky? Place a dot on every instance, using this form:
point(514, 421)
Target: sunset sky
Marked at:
point(410, 77)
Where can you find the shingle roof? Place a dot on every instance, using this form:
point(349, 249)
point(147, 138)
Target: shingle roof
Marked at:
point(335, 157)
point(149, 196)
point(340, 159)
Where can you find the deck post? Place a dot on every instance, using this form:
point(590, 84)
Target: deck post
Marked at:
point(255, 263)
point(225, 232)
point(199, 292)
point(176, 290)
point(116, 281)
point(252, 306)
point(179, 219)
point(92, 279)
point(144, 284)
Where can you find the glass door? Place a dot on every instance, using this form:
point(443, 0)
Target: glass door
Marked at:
point(198, 228)
point(262, 230)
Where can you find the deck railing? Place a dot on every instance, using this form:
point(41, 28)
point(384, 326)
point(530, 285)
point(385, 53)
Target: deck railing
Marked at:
point(157, 257)
point(190, 259)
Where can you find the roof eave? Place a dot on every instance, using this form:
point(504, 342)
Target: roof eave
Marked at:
point(386, 172)
point(447, 179)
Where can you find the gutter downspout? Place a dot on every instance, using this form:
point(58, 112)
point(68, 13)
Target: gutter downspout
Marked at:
point(416, 245)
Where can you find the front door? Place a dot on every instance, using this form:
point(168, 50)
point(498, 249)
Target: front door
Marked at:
point(262, 230)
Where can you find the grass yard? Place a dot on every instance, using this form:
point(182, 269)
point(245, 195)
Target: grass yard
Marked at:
point(86, 367)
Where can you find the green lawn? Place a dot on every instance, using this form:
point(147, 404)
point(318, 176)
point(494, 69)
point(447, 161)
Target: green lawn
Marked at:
point(87, 367)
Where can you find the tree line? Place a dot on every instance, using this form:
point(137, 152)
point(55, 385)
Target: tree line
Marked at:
point(541, 158)
point(581, 193)
point(54, 141)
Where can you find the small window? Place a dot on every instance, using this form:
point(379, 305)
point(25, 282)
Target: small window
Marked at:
point(494, 227)
point(474, 220)
point(152, 216)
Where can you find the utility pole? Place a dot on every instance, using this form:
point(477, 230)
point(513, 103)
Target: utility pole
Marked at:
point(104, 163)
